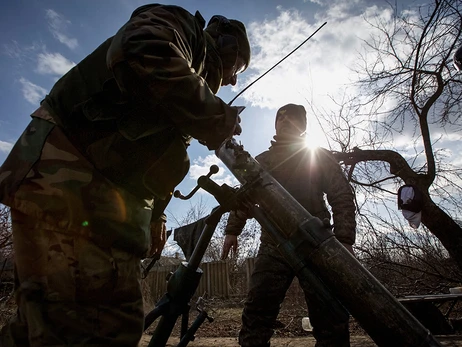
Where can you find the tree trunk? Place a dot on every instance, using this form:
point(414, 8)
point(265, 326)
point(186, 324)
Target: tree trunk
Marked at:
point(434, 218)
point(444, 228)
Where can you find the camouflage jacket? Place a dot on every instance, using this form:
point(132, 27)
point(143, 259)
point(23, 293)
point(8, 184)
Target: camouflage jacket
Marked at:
point(132, 104)
point(307, 175)
point(112, 134)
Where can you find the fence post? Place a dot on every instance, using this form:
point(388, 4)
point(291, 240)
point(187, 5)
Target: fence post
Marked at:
point(215, 279)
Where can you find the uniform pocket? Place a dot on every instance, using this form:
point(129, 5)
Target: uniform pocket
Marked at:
point(96, 274)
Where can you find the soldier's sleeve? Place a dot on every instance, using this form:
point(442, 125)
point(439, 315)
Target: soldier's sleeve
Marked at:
point(159, 208)
point(236, 222)
point(340, 197)
point(151, 58)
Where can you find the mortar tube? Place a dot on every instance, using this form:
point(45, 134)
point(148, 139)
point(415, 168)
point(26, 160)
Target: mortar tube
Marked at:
point(317, 289)
point(386, 321)
point(211, 223)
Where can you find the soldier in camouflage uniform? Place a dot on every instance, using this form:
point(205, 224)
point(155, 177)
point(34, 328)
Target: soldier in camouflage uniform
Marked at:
point(307, 174)
point(89, 178)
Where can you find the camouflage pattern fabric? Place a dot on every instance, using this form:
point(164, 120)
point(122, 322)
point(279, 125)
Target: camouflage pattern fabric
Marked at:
point(307, 175)
point(269, 283)
point(62, 188)
point(120, 137)
point(168, 84)
point(78, 241)
point(146, 98)
point(86, 177)
point(67, 287)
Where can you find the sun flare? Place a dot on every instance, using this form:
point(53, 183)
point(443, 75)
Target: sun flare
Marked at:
point(314, 140)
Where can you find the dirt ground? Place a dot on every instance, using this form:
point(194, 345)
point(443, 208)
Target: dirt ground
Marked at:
point(227, 320)
point(223, 331)
point(356, 341)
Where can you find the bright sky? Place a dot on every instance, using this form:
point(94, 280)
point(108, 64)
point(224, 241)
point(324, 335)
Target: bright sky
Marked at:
point(42, 39)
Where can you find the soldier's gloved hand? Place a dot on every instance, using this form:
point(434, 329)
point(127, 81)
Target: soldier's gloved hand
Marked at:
point(238, 129)
point(158, 237)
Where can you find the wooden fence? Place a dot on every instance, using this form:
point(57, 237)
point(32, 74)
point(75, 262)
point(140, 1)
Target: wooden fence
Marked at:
point(217, 279)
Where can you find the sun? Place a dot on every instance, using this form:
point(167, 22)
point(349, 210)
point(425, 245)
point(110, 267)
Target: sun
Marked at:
point(315, 136)
point(314, 140)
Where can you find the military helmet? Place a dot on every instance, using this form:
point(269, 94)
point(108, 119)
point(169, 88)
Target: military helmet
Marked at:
point(297, 111)
point(231, 38)
point(457, 59)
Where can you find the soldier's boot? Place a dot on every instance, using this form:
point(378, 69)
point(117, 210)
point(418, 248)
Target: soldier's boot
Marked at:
point(334, 336)
point(14, 334)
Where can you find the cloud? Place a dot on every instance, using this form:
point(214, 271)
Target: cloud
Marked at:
point(320, 75)
point(24, 55)
point(53, 63)
point(448, 144)
point(47, 63)
point(58, 24)
point(201, 166)
point(5, 147)
point(13, 50)
point(448, 136)
point(318, 2)
point(341, 9)
point(32, 92)
point(319, 68)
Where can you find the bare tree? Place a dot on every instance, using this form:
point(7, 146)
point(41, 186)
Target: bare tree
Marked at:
point(409, 85)
point(6, 255)
point(248, 240)
point(248, 243)
point(6, 236)
point(404, 260)
point(195, 212)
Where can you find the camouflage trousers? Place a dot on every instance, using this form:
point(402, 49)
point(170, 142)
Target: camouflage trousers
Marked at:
point(269, 283)
point(71, 292)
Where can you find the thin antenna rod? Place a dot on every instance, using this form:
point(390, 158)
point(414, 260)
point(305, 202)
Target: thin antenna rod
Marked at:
point(280, 61)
